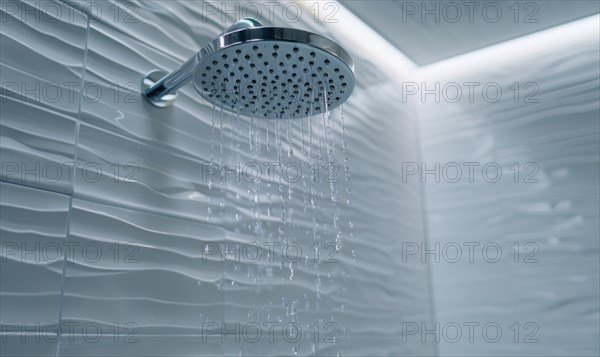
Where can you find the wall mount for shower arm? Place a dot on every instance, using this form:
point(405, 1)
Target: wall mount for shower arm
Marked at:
point(265, 72)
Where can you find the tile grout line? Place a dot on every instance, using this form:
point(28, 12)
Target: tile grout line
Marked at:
point(70, 213)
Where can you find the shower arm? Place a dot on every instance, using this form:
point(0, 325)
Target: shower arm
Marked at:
point(160, 88)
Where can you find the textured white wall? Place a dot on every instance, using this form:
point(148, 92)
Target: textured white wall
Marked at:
point(168, 292)
point(556, 129)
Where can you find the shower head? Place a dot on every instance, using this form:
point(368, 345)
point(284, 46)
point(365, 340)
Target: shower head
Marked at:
point(273, 72)
point(265, 72)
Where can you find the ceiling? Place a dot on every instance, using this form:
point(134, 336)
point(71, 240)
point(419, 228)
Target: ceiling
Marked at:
point(430, 31)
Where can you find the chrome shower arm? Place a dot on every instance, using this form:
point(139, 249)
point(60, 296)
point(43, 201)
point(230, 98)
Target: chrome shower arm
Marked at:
point(160, 88)
point(245, 23)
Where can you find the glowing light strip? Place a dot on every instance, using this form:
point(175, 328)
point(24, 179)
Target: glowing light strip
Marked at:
point(522, 49)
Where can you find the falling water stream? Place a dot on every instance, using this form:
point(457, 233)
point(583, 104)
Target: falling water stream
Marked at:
point(304, 141)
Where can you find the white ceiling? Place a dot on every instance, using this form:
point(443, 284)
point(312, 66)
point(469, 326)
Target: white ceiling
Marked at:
point(426, 39)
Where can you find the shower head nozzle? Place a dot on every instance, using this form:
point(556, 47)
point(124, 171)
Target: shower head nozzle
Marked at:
point(265, 72)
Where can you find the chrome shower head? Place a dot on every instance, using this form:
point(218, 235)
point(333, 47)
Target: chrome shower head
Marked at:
point(266, 72)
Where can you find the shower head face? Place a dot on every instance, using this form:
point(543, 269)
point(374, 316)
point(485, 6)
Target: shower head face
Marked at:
point(274, 73)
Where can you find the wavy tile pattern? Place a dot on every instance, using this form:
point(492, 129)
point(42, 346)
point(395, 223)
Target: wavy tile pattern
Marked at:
point(43, 46)
point(552, 221)
point(33, 228)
